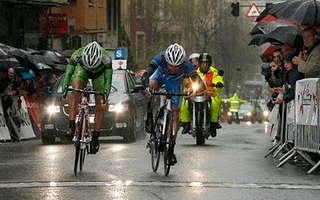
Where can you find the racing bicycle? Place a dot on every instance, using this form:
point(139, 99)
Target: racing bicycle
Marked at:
point(162, 137)
point(82, 134)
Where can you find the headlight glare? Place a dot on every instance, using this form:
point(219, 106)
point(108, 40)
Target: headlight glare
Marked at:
point(119, 108)
point(265, 113)
point(53, 109)
point(249, 113)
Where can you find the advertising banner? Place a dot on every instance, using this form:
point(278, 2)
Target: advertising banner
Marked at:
point(19, 118)
point(4, 131)
point(306, 101)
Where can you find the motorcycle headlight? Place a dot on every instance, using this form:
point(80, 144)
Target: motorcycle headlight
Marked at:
point(265, 113)
point(195, 86)
point(249, 113)
point(53, 109)
point(119, 107)
point(229, 114)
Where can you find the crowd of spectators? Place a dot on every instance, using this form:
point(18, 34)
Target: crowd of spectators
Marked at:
point(37, 88)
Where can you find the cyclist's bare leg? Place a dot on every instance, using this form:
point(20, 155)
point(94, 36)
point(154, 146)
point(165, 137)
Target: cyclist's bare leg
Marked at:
point(149, 102)
point(99, 113)
point(153, 85)
point(175, 116)
point(73, 107)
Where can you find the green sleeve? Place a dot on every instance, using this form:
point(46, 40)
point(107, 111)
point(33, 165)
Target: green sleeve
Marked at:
point(71, 67)
point(108, 77)
point(67, 75)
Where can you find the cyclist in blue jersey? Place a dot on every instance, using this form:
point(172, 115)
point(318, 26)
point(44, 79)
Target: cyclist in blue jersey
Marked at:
point(168, 68)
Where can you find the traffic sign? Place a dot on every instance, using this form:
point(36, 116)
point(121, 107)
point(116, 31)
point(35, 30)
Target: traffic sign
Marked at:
point(253, 11)
point(120, 53)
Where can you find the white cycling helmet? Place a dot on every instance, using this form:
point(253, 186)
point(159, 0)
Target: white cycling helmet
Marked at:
point(92, 55)
point(175, 54)
point(194, 56)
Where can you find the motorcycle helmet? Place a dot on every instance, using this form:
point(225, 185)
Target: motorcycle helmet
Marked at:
point(175, 54)
point(92, 55)
point(205, 57)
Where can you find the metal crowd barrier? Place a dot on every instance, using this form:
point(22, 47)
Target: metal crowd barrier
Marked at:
point(306, 122)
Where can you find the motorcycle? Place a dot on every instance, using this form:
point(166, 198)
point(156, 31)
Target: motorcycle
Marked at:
point(233, 115)
point(200, 117)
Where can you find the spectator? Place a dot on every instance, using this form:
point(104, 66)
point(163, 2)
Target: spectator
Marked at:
point(308, 61)
point(7, 80)
point(293, 76)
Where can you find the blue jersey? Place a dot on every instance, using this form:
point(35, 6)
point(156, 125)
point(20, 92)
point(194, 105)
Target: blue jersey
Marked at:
point(173, 82)
point(160, 61)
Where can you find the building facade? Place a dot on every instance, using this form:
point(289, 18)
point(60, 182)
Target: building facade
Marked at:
point(59, 24)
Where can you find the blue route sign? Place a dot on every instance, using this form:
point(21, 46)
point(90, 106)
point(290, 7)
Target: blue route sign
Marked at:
point(121, 53)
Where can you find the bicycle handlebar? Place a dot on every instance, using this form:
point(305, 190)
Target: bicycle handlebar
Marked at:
point(169, 93)
point(85, 91)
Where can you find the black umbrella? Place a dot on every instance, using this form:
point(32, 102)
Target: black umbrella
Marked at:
point(55, 57)
point(268, 27)
point(291, 35)
point(67, 53)
point(258, 39)
point(9, 62)
point(302, 12)
point(38, 58)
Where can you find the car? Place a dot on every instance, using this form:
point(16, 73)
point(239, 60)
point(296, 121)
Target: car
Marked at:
point(251, 111)
point(124, 117)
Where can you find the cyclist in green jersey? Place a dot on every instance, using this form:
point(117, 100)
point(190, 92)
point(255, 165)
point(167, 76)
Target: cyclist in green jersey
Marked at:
point(89, 62)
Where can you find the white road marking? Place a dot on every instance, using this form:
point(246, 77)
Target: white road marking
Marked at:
point(119, 183)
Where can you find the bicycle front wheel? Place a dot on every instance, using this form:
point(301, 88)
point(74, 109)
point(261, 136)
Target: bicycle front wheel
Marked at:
point(168, 147)
point(82, 157)
point(155, 143)
point(78, 143)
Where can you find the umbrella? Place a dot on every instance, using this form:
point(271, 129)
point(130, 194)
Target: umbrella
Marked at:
point(9, 62)
point(268, 27)
point(19, 53)
point(302, 12)
point(67, 53)
point(38, 58)
point(258, 39)
point(25, 73)
point(61, 67)
point(291, 35)
point(55, 57)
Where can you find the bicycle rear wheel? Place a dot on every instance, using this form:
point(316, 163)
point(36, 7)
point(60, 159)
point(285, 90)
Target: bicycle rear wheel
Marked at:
point(168, 147)
point(155, 143)
point(78, 144)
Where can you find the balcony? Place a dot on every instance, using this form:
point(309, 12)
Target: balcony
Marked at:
point(49, 3)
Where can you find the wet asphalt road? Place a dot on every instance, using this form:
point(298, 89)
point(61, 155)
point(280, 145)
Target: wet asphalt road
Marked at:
point(230, 166)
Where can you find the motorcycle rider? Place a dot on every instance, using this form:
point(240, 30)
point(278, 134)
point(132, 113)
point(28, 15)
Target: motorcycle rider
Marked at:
point(235, 103)
point(213, 79)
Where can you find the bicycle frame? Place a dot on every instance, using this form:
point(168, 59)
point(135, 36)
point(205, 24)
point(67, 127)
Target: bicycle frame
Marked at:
point(163, 123)
point(82, 134)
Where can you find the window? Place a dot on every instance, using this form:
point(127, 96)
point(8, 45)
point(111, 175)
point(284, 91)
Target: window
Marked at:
point(141, 8)
point(91, 2)
point(140, 45)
